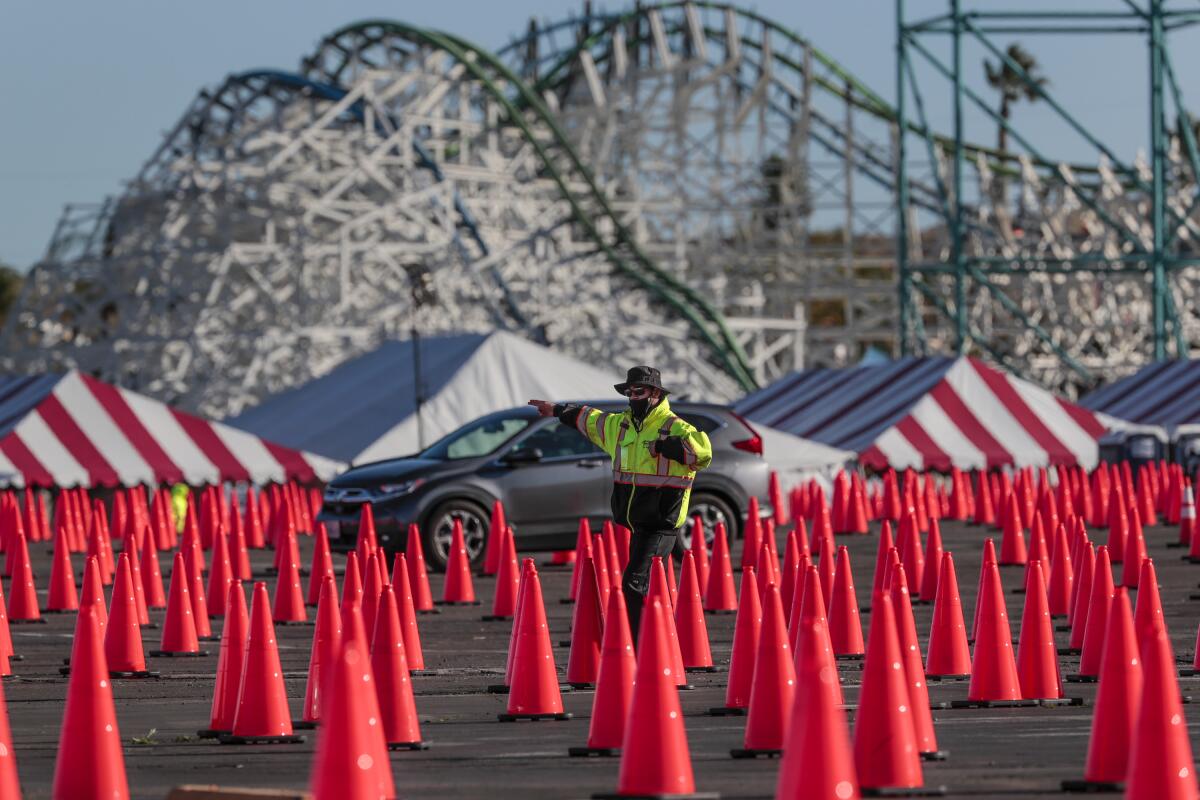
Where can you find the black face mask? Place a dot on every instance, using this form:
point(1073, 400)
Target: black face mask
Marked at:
point(639, 408)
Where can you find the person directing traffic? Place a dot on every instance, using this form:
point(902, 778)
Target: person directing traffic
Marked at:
point(655, 457)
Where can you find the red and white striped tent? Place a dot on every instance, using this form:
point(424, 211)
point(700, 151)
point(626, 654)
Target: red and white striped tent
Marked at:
point(931, 413)
point(70, 430)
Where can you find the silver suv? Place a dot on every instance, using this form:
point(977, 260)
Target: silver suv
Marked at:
point(546, 475)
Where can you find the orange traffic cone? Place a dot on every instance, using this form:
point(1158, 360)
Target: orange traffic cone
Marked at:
point(812, 619)
point(751, 534)
point(1012, 544)
point(62, 595)
point(614, 684)
point(123, 635)
point(393, 686)
point(193, 563)
point(817, 758)
point(23, 602)
point(327, 641)
point(92, 594)
point(699, 550)
point(352, 589)
point(660, 589)
point(583, 546)
point(508, 577)
point(262, 715)
point(845, 628)
point(914, 670)
point(655, 761)
point(1062, 576)
point(179, 628)
point(826, 568)
point(418, 576)
point(720, 597)
point(1160, 762)
point(587, 628)
point(220, 575)
point(408, 616)
point(1081, 597)
point(773, 687)
point(1149, 613)
point(933, 563)
point(351, 759)
point(527, 570)
point(289, 607)
point(948, 657)
point(994, 680)
point(689, 621)
point(746, 630)
point(909, 545)
point(152, 585)
point(496, 529)
point(229, 664)
point(322, 566)
point(1135, 551)
point(1099, 605)
point(885, 745)
point(90, 761)
point(1037, 655)
point(533, 692)
point(372, 589)
point(6, 642)
point(458, 589)
point(139, 589)
point(1117, 699)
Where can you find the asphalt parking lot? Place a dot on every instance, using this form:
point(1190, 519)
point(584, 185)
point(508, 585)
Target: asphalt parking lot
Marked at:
point(992, 752)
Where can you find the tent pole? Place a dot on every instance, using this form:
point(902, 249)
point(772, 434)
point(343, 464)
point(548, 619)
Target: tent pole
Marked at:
point(417, 394)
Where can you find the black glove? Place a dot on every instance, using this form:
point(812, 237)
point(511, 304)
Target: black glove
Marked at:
point(670, 447)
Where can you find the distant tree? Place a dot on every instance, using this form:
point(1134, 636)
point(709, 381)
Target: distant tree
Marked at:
point(1012, 86)
point(10, 286)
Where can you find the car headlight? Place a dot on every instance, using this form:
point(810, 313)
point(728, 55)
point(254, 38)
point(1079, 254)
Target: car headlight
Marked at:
point(390, 490)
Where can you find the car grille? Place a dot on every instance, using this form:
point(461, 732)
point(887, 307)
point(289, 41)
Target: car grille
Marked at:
point(334, 495)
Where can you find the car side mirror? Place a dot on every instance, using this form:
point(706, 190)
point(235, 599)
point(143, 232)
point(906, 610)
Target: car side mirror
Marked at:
point(523, 456)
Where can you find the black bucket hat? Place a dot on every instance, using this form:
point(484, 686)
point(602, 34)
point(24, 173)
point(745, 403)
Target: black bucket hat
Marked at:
point(641, 376)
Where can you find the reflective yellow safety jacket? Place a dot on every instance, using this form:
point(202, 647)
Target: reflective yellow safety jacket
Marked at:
point(650, 492)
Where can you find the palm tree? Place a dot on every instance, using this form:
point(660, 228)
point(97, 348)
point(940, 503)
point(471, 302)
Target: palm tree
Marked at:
point(1013, 86)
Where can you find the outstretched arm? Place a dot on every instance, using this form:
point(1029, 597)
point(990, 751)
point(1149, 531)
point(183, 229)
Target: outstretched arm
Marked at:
point(545, 408)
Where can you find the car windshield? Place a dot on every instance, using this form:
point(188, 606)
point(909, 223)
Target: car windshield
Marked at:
point(476, 439)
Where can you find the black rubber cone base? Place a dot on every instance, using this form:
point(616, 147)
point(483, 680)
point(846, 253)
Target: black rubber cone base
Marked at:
point(165, 654)
point(685, 687)
point(532, 717)
point(305, 725)
point(946, 678)
point(594, 752)
point(408, 745)
point(723, 612)
point(496, 618)
point(1056, 702)
point(696, 796)
point(231, 739)
point(726, 711)
point(16, 657)
point(566, 601)
point(1176, 545)
point(497, 688)
point(209, 733)
point(1070, 651)
point(1077, 678)
point(457, 603)
point(1093, 787)
point(298, 623)
point(850, 657)
point(993, 703)
point(935, 755)
point(139, 674)
point(897, 791)
point(429, 611)
point(1063, 628)
point(1188, 672)
point(565, 643)
point(711, 668)
point(60, 611)
point(38, 621)
point(740, 752)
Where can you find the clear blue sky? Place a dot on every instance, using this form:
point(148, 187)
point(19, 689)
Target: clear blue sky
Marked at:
point(87, 88)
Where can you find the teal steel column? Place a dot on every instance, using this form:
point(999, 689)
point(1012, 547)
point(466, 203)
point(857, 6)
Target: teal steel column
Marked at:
point(902, 185)
point(1158, 145)
point(956, 219)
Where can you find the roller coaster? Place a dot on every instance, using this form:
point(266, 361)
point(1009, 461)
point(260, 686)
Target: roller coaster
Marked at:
point(688, 184)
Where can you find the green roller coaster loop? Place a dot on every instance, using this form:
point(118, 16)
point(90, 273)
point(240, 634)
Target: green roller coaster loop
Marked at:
point(859, 95)
point(474, 59)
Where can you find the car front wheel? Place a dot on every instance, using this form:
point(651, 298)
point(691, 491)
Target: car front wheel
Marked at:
point(711, 509)
point(439, 526)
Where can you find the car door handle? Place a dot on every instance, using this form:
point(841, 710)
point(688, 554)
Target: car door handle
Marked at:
point(590, 463)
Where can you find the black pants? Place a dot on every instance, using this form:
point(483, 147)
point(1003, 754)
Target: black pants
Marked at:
point(643, 547)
